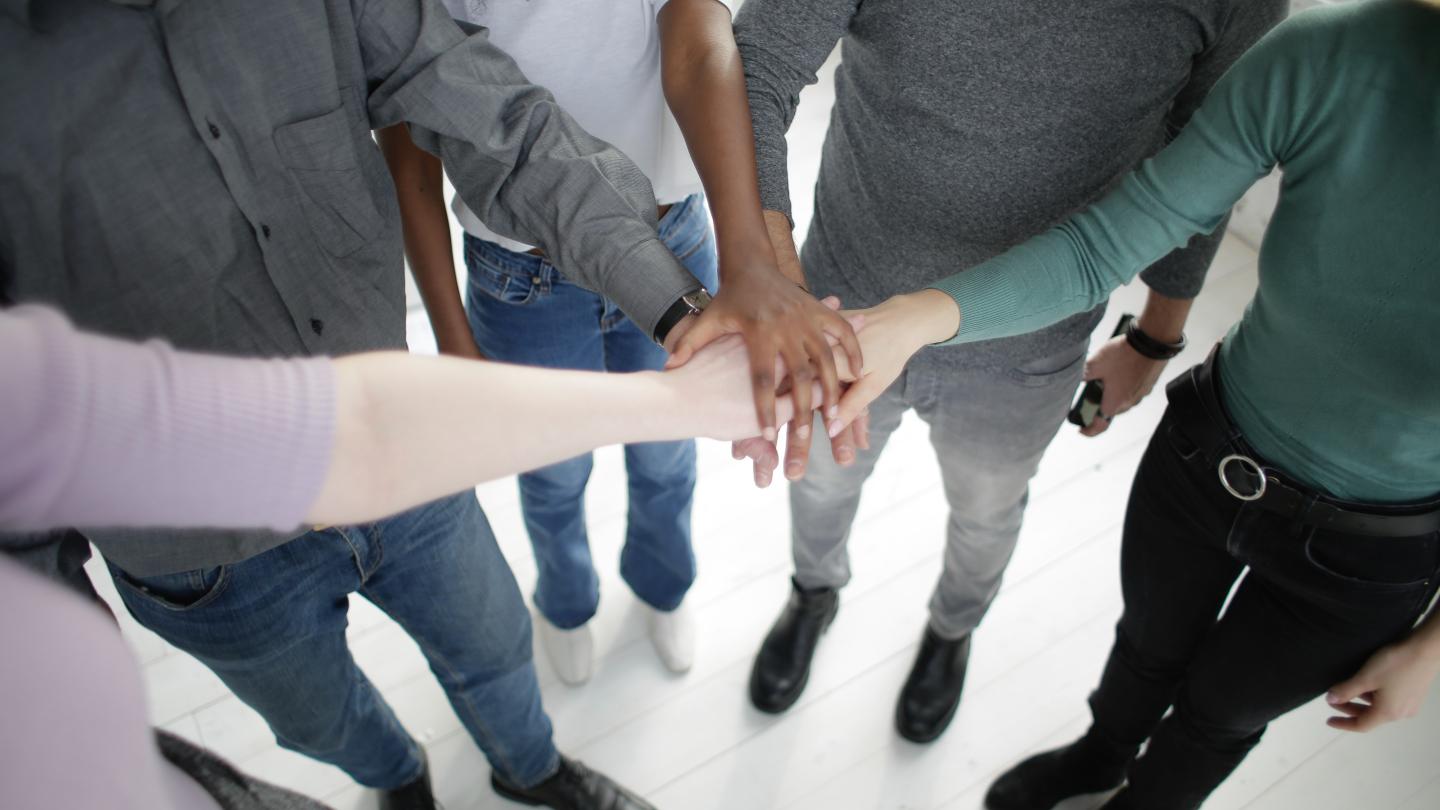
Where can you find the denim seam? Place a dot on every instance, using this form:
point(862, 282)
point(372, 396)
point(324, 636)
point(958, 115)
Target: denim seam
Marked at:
point(438, 660)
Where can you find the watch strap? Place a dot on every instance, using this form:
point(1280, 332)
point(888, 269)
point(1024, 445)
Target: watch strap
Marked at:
point(1149, 347)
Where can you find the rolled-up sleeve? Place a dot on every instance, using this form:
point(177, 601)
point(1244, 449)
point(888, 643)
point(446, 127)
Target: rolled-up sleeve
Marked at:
point(521, 163)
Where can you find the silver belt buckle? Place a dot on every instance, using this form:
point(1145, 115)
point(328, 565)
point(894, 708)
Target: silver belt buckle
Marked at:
point(1243, 461)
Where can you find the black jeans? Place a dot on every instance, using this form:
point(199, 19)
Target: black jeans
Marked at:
point(1312, 608)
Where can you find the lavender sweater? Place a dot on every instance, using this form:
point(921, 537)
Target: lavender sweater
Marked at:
point(101, 432)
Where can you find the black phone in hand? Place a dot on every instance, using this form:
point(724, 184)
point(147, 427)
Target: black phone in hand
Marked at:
point(1087, 406)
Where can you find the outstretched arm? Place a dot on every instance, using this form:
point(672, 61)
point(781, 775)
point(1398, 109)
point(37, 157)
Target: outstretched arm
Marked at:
point(1245, 127)
point(102, 432)
point(705, 88)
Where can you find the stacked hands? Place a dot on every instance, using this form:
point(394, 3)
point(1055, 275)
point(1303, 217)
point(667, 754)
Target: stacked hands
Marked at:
point(807, 356)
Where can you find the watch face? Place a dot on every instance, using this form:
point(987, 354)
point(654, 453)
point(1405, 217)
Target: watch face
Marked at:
point(697, 300)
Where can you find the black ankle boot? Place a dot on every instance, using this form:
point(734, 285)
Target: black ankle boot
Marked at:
point(783, 666)
point(573, 787)
point(932, 692)
point(414, 796)
point(1044, 780)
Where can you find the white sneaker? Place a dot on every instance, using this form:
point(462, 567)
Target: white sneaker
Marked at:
point(571, 652)
point(673, 634)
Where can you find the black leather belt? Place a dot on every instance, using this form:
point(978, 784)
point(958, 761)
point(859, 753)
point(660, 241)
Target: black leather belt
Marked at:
point(1199, 413)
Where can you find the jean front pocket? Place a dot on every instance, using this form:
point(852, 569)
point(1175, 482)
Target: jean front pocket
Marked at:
point(506, 276)
point(1066, 367)
point(185, 591)
point(1386, 564)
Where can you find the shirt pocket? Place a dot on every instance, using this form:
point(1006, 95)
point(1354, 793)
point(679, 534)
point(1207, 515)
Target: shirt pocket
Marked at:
point(319, 154)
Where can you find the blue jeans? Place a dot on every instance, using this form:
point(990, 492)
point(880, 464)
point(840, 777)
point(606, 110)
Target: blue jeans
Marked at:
point(522, 310)
point(273, 628)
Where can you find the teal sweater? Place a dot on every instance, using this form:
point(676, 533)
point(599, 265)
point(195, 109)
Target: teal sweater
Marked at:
point(1333, 372)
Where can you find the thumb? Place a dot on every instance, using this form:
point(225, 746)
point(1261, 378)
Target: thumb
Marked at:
point(832, 302)
point(1345, 692)
point(702, 333)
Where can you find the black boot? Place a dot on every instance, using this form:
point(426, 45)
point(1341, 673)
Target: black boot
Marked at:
point(573, 787)
point(932, 692)
point(783, 666)
point(1044, 780)
point(414, 796)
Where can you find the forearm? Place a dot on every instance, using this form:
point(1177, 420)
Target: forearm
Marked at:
point(704, 85)
point(782, 243)
point(524, 166)
point(419, 188)
point(1163, 318)
point(411, 429)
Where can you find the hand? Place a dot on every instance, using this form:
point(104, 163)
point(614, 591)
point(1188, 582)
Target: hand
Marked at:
point(1391, 686)
point(713, 390)
point(1128, 377)
point(765, 453)
point(777, 319)
point(894, 331)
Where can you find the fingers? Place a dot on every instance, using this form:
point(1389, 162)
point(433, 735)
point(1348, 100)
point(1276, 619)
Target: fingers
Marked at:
point(856, 401)
point(762, 379)
point(1098, 425)
point(831, 302)
point(1349, 691)
point(797, 447)
point(764, 455)
point(861, 428)
point(842, 329)
point(843, 446)
point(696, 338)
point(829, 379)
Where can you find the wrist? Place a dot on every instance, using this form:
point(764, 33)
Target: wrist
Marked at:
point(1163, 318)
point(931, 316)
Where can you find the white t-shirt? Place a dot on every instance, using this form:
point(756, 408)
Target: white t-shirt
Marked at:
point(601, 60)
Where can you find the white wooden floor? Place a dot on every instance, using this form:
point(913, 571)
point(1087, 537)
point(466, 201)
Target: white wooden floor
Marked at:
point(694, 743)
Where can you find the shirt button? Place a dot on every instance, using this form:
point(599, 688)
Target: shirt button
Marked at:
point(265, 229)
point(214, 130)
point(317, 326)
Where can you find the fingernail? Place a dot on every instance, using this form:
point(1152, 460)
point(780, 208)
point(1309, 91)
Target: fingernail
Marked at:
point(1333, 700)
point(792, 470)
point(834, 429)
point(769, 434)
point(847, 457)
point(803, 432)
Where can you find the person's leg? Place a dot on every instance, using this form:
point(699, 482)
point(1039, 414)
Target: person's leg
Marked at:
point(439, 573)
point(989, 429)
point(658, 561)
point(1312, 609)
point(823, 506)
point(1175, 573)
point(522, 311)
point(823, 503)
point(273, 628)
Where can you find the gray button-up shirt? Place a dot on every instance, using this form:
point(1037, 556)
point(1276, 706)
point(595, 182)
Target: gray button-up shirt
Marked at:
point(203, 171)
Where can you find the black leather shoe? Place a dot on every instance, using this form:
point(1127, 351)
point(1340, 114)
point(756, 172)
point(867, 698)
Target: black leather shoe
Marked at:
point(932, 692)
point(783, 666)
point(573, 787)
point(414, 796)
point(1045, 780)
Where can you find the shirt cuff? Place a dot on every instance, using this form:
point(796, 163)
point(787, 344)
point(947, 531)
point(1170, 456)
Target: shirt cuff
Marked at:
point(987, 301)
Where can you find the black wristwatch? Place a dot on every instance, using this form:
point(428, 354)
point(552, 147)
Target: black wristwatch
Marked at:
point(1150, 347)
point(691, 303)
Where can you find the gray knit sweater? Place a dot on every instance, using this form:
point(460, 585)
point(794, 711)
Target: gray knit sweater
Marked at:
point(961, 129)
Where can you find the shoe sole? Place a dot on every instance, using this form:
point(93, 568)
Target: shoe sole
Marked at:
point(791, 699)
point(510, 794)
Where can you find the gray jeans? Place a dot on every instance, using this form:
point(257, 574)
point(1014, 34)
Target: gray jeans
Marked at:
point(989, 429)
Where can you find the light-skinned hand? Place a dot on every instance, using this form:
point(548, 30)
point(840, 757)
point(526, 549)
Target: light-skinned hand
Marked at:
point(1128, 377)
point(1391, 686)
